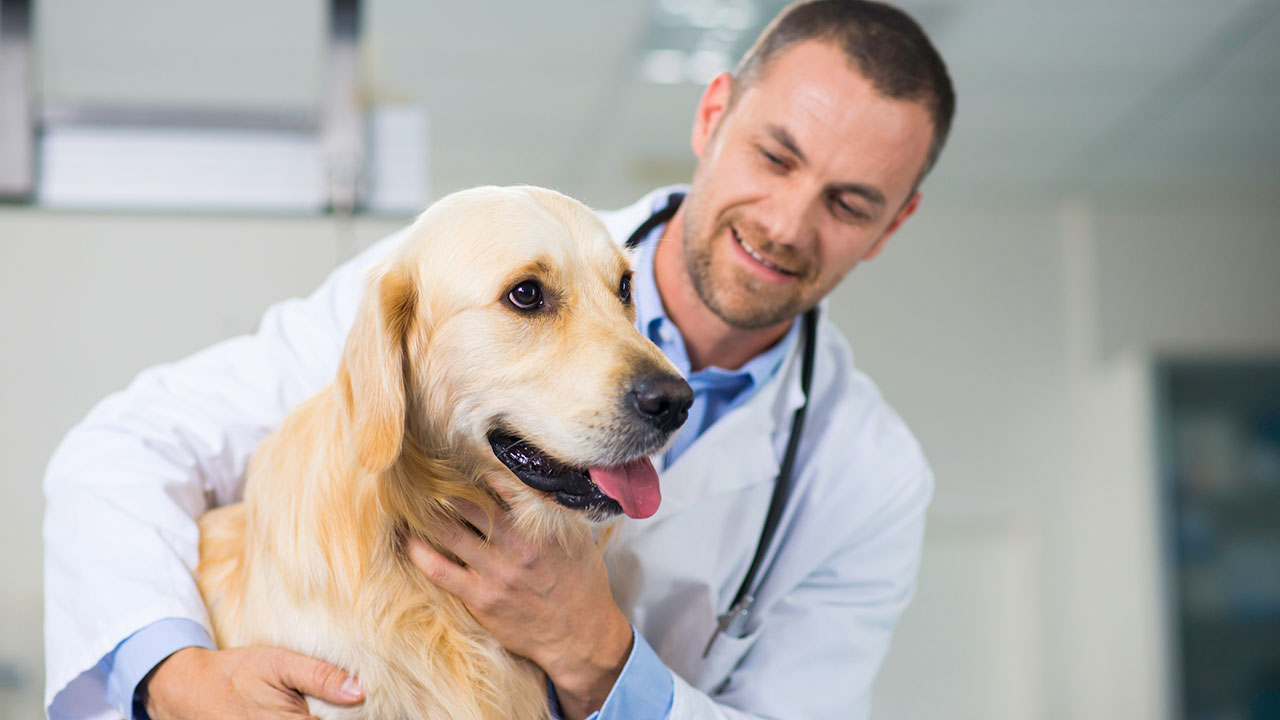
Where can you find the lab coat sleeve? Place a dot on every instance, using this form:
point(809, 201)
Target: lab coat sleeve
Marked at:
point(124, 488)
point(815, 653)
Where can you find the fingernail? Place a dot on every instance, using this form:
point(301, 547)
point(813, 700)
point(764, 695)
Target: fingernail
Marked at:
point(351, 688)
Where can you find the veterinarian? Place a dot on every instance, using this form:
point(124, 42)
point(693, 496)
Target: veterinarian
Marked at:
point(809, 159)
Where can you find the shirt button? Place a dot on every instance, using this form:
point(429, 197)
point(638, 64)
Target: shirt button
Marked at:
point(666, 333)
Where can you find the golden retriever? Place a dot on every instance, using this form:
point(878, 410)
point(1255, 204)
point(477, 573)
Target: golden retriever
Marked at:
point(494, 350)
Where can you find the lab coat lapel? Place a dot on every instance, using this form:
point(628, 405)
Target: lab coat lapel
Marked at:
point(674, 572)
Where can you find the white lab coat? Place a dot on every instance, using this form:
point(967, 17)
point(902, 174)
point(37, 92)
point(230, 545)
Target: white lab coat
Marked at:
point(125, 486)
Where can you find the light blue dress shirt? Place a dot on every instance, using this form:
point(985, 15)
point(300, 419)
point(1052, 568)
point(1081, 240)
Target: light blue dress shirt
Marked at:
point(644, 688)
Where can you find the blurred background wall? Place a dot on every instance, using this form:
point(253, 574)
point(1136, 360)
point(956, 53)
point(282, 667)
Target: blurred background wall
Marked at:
point(1105, 220)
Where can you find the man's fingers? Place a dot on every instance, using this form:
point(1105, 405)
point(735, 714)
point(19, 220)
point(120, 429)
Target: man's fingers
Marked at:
point(462, 541)
point(496, 483)
point(488, 520)
point(442, 571)
point(317, 678)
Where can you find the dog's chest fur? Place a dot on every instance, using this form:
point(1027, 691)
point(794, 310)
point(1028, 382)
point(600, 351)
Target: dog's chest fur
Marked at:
point(304, 569)
point(418, 654)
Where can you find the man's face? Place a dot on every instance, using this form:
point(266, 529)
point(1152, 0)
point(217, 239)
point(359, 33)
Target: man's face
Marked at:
point(808, 173)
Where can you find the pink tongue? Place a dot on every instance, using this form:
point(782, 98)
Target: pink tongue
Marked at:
point(634, 486)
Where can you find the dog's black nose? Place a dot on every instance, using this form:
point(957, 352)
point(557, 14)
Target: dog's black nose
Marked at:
point(663, 400)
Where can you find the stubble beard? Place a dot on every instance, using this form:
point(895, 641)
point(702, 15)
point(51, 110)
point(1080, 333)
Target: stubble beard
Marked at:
point(742, 303)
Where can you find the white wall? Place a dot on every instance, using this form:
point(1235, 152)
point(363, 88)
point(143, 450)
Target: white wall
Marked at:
point(1016, 341)
point(1189, 273)
point(1019, 344)
point(960, 322)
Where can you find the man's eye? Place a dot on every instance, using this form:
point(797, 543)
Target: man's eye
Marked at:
point(846, 211)
point(773, 159)
point(526, 296)
point(624, 289)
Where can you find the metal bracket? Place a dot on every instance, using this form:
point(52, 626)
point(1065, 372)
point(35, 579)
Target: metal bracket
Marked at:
point(17, 128)
point(342, 121)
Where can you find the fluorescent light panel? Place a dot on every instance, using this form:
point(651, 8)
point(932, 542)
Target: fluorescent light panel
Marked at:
point(84, 165)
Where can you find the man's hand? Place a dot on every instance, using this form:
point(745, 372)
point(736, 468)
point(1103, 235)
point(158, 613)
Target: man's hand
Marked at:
point(254, 682)
point(550, 605)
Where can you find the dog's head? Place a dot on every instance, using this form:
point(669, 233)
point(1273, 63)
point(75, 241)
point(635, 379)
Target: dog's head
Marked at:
point(500, 336)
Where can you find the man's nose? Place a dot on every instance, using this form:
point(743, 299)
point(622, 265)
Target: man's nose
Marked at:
point(787, 217)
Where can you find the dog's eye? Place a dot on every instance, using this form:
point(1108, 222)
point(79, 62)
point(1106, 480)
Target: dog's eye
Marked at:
point(624, 289)
point(526, 296)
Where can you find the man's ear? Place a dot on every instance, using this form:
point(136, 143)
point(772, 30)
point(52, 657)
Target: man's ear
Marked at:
point(901, 217)
point(715, 100)
point(371, 376)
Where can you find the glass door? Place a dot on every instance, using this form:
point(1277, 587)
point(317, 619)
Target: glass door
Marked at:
point(1221, 460)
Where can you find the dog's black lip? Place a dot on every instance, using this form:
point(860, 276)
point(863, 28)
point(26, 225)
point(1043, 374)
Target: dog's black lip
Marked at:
point(568, 486)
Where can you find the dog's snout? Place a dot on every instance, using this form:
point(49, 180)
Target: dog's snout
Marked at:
point(663, 400)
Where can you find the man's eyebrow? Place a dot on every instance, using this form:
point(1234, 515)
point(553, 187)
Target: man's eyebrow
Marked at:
point(785, 139)
point(867, 192)
point(788, 141)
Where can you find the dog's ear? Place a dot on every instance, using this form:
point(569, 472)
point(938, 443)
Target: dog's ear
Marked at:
point(371, 378)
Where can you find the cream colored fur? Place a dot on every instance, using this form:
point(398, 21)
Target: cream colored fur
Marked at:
point(312, 559)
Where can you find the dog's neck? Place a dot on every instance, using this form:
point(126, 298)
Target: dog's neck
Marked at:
point(421, 489)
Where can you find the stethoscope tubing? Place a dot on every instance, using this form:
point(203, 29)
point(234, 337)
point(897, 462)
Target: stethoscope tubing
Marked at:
point(743, 600)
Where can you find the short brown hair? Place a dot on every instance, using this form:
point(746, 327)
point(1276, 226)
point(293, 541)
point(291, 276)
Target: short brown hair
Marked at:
point(881, 41)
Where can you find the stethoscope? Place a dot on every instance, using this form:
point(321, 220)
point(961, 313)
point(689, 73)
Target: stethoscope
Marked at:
point(735, 618)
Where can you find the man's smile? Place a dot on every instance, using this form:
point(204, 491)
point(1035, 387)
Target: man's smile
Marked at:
point(758, 256)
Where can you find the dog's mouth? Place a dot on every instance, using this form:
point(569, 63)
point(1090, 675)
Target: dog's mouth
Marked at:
point(631, 488)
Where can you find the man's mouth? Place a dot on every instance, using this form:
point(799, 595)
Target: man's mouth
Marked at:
point(758, 257)
point(631, 487)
